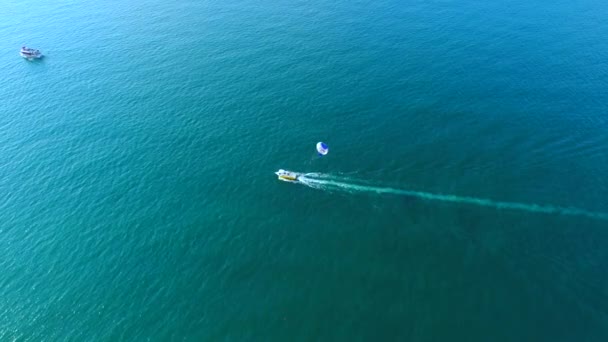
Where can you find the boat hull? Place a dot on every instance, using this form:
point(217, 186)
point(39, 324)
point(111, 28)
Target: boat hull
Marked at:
point(287, 176)
point(30, 56)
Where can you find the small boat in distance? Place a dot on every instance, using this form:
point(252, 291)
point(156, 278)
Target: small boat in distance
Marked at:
point(287, 176)
point(29, 53)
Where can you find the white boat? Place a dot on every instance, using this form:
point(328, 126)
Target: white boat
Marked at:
point(287, 176)
point(30, 53)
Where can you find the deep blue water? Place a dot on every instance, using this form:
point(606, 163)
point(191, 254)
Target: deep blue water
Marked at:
point(138, 200)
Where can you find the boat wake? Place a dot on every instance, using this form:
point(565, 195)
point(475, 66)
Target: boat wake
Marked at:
point(329, 182)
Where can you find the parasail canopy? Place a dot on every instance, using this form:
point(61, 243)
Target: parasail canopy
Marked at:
point(322, 148)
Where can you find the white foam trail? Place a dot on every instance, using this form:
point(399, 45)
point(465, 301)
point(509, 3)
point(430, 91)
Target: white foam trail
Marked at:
point(327, 182)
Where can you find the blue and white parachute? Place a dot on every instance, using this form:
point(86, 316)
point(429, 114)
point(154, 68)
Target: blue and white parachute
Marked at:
point(322, 148)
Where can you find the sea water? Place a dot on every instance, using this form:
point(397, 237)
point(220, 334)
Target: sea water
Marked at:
point(138, 198)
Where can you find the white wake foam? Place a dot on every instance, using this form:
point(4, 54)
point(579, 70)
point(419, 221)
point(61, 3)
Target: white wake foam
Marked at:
point(329, 182)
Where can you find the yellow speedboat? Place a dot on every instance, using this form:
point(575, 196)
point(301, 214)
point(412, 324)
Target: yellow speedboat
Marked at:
point(287, 176)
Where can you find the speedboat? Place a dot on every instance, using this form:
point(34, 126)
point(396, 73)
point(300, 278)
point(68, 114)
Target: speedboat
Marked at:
point(30, 53)
point(287, 176)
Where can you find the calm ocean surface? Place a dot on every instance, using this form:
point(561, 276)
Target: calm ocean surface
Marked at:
point(138, 200)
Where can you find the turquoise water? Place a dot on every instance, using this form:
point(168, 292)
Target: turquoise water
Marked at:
point(138, 196)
